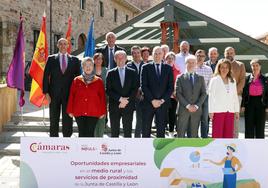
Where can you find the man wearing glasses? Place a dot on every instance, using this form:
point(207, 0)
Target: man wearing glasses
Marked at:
point(206, 72)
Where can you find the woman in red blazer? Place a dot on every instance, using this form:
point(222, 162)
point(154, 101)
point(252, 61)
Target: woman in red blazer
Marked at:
point(87, 99)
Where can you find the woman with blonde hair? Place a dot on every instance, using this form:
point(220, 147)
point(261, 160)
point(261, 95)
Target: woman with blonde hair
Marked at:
point(223, 104)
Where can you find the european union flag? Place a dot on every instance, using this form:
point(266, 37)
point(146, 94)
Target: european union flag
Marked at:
point(90, 45)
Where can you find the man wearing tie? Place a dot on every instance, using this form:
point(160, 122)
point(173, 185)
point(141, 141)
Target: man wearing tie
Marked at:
point(60, 70)
point(121, 87)
point(136, 65)
point(191, 94)
point(157, 87)
point(109, 50)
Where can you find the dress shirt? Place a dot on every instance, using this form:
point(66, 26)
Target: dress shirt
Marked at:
point(66, 59)
point(137, 66)
point(155, 66)
point(122, 77)
point(206, 72)
point(255, 87)
point(180, 61)
point(110, 50)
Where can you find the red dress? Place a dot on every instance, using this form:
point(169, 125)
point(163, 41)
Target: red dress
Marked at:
point(87, 99)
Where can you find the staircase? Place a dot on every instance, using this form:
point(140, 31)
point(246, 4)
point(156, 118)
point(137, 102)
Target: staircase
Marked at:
point(32, 126)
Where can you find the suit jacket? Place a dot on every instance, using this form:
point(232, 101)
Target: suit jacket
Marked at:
point(115, 91)
point(55, 83)
point(245, 95)
point(188, 94)
point(154, 88)
point(105, 52)
point(239, 74)
point(133, 66)
point(139, 95)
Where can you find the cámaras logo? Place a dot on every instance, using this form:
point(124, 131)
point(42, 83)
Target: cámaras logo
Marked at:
point(36, 147)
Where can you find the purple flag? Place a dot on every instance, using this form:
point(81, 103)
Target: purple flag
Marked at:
point(15, 73)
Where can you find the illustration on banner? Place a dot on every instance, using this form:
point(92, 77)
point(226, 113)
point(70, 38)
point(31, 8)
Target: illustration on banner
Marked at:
point(202, 163)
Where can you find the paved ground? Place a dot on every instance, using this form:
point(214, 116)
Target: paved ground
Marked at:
point(9, 171)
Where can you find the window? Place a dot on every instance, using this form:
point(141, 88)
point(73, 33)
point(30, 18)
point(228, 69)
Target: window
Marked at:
point(35, 37)
point(115, 15)
point(56, 38)
point(82, 4)
point(126, 18)
point(101, 9)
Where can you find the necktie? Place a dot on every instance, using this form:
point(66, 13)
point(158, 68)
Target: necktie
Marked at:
point(192, 79)
point(157, 70)
point(111, 60)
point(122, 76)
point(63, 64)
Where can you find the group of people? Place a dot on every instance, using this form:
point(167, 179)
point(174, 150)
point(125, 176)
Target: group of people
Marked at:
point(175, 92)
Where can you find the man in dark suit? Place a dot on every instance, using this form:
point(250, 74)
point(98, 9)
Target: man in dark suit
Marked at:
point(136, 65)
point(109, 50)
point(157, 87)
point(121, 87)
point(191, 94)
point(60, 70)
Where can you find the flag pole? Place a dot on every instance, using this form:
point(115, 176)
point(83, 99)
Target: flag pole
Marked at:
point(21, 115)
point(44, 115)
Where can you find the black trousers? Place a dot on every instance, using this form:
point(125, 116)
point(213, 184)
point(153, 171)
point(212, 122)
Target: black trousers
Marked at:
point(56, 106)
point(86, 125)
point(254, 118)
point(148, 114)
point(127, 118)
point(172, 114)
point(138, 127)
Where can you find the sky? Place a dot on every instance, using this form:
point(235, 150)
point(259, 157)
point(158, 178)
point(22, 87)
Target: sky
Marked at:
point(247, 16)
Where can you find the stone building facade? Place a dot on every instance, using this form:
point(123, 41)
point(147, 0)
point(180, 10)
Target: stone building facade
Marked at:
point(108, 14)
point(144, 5)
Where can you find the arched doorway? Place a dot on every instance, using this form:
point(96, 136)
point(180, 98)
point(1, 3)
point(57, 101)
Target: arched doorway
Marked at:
point(82, 41)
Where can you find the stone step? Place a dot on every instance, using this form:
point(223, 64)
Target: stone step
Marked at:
point(14, 137)
point(10, 149)
point(31, 126)
point(17, 118)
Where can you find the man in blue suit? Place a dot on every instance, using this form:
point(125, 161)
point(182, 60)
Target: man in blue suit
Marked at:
point(157, 87)
point(121, 87)
point(109, 50)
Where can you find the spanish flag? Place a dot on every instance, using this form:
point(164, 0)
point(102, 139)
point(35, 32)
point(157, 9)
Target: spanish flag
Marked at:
point(37, 67)
point(69, 35)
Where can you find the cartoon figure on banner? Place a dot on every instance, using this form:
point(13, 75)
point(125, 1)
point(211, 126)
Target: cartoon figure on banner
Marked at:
point(231, 166)
point(195, 158)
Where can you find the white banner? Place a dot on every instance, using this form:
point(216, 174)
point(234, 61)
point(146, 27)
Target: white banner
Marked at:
point(143, 163)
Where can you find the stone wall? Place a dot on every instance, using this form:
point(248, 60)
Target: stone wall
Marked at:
point(32, 11)
point(144, 5)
